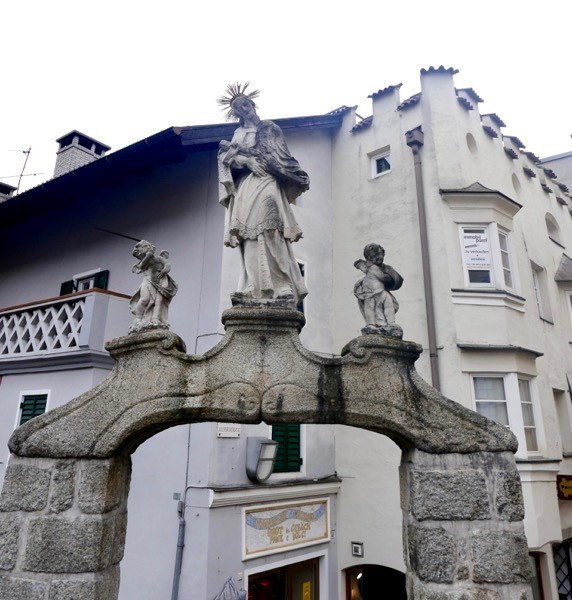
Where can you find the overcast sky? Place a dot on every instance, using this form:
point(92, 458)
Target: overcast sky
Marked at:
point(121, 70)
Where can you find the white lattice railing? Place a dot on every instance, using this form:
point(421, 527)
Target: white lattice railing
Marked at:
point(39, 329)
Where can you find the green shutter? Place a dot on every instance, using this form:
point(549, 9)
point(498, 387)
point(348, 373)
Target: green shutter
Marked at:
point(67, 287)
point(288, 454)
point(32, 406)
point(101, 279)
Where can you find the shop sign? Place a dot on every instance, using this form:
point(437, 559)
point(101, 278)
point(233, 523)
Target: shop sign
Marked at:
point(476, 249)
point(564, 486)
point(279, 527)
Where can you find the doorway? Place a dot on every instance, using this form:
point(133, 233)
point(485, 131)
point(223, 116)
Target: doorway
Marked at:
point(298, 581)
point(373, 582)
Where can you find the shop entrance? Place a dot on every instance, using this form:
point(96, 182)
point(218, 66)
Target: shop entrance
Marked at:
point(298, 581)
point(373, 582)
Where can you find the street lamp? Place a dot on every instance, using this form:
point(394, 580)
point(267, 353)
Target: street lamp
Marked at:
point(260, 457)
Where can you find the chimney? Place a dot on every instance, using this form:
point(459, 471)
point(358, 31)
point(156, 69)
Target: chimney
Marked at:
point(6, 191)
point(77, 149)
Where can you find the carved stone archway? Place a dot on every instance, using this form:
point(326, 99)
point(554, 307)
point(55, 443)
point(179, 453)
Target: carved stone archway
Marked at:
point(64, 502)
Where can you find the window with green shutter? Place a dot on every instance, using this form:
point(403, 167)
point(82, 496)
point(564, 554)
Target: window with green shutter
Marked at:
point(32, 406)
point(288, 458)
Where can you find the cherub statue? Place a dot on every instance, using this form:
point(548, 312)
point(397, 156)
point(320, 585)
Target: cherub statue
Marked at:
point(377, 304)
point(150, 303)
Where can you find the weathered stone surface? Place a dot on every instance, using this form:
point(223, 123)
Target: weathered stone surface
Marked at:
point(500, 557)
point(21, 589)
point(425, 593)
point(508, 496)
point(60, 545)
point(432, 554)
point(26, 488)
point(103, 486)
point(102, 587)
point(63, 487)
point(9, 534)
point(245, 378)
point(460, 495)
point(261, 371)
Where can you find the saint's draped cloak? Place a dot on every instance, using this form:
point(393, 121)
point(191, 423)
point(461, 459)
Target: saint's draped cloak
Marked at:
point(259, 206)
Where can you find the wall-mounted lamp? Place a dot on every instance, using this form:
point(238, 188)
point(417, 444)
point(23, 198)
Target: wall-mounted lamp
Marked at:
point(260, 457)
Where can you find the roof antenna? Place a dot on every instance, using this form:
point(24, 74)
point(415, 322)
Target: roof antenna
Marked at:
point(27, 153)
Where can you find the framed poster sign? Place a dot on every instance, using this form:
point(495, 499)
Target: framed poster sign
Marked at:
point(278, 527)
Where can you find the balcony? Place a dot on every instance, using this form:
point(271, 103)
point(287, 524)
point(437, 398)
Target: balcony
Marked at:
point(64, 332)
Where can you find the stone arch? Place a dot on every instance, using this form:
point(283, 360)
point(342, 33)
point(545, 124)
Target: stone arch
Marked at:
point(63, 507)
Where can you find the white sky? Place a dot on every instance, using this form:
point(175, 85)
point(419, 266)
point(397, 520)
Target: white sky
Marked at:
point(121, 70)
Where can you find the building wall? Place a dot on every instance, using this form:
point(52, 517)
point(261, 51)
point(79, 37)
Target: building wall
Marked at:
point(456, 153)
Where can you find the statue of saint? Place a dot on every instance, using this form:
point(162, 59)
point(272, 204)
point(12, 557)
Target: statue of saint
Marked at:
point(150, 303)
point(376, 302)
point(259, 179)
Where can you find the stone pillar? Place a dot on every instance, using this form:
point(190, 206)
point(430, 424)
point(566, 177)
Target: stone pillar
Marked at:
point(62, 528)
point(463, 532)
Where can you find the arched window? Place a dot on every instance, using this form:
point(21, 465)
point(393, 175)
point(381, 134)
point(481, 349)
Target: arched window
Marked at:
point(553, 229)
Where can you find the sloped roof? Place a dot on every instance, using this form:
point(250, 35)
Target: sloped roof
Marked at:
point(411, 101)
point(363, 124)
point(385, 91)
point(440, 69)
point(169, 146)
point(564, 271)
point(479, 188)
point(495, 118)
point(470, 92)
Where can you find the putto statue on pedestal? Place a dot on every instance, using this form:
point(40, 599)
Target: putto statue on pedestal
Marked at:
point(258, 180)
point(376, 302)
point(150, 303)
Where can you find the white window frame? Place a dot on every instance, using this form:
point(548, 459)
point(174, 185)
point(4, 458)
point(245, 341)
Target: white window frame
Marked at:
point(384, 152)
point(30, 393)
point(496, 269)
point(87, 275)
point(541, 292)
point(514, 408)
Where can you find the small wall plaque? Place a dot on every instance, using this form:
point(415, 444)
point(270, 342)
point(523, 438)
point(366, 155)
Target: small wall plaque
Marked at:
point(228, 430)
point(357, 549)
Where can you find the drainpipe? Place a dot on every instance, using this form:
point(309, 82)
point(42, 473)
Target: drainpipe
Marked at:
point(180, 546)
point(414, 140)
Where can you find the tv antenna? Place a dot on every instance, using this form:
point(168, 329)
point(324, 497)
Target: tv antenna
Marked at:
point(27, 153)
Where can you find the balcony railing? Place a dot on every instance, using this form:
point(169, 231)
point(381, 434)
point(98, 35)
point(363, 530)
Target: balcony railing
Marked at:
point(64, 324)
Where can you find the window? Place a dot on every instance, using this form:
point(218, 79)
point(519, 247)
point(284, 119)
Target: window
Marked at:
point(527, 415)
point(288, 457)
point(553, 229)
point(505, 258)
point(490, 398)
point(31, 406)
point(85, 281)
point(540, 284)
point(508, 400)
point(380, 162)
point(487, 256)
point(563, 408)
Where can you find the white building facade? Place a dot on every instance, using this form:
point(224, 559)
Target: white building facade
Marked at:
point(495, 324)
